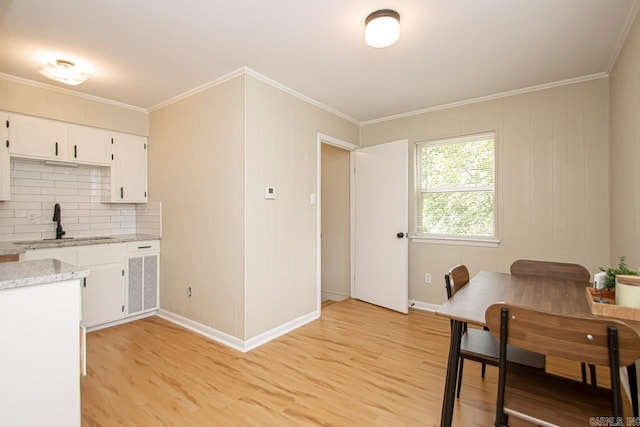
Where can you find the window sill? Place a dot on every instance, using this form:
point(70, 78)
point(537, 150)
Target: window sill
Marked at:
point(487, 243)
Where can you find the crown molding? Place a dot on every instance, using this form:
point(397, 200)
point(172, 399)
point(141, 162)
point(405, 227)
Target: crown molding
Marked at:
point(249, 72)
point(488, 98)
point(72, 92)
point(623, 35)
point(198, 89)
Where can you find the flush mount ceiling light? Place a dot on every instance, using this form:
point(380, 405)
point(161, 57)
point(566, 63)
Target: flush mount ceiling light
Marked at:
point(382, 28)
point(64, 71)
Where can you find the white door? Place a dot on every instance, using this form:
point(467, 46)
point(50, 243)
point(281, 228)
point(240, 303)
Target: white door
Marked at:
point(381, 225)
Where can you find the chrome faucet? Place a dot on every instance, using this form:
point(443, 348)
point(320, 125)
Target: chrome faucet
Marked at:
point(56, 217)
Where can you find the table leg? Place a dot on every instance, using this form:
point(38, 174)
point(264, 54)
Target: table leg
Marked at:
point(633, 387)
point(452, 373)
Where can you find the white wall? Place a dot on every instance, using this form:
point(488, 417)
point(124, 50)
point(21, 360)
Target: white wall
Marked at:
point(281, 235)
point(35, 100)
point(625, 151)
point(552, 176)
point(196, 169)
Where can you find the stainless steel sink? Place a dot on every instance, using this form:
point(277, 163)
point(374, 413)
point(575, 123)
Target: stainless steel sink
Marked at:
point(79, 239)
point(64, 239)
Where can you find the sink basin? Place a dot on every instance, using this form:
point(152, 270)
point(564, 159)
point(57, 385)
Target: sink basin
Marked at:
point(78, 239)
point(64, 239)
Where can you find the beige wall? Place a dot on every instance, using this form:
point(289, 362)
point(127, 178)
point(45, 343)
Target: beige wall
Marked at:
point(553, 180)
point(34, 100)
point(625, 151)
point(251, 262)
point(196, 170)
point(280, 250)
point(336, 230)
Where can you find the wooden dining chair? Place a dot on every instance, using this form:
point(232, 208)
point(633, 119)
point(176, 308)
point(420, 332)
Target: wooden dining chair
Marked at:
point(557, 270)
point(479, 344)
point(546, 399)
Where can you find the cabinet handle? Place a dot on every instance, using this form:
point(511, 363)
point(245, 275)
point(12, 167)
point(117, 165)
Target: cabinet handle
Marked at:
point(75, 151)
point(122, 192)
point(144, 247)
point(84, 282)
point(56, 148)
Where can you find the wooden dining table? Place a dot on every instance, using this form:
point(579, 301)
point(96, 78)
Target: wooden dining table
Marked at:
point(468, 305)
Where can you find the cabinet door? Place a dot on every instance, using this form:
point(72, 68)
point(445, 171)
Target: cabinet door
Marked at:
point(142, 283)
point(102, 295)
point(37, 138)
point(5, 162)
point(129, 169)
point(89, 145)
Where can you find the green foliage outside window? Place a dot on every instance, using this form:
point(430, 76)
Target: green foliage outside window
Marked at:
point(456, 187)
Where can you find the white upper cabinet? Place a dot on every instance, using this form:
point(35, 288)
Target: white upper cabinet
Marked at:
point(37, 138)
point(123, 155)
point(129, 169)
point(89, 145)
point(5, 162)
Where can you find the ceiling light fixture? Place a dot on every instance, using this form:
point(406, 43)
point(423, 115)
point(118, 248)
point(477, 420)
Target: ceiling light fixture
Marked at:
point(64, 71)
point(382, 28)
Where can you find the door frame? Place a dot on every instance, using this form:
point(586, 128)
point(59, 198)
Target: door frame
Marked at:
point(330, 140)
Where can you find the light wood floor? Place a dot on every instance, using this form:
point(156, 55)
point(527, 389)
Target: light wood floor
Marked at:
point(359, 365)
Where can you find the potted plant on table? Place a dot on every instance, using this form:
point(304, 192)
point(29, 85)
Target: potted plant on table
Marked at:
point(628, 287)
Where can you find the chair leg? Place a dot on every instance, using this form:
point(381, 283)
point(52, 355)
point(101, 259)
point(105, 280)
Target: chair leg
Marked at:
point(583, 368)
point(592, 374)
point(459, 378)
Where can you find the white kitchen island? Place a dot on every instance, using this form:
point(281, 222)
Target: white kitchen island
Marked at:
point(40, 311)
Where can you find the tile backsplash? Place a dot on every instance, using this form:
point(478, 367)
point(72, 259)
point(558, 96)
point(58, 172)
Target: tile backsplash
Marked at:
point(37, 186)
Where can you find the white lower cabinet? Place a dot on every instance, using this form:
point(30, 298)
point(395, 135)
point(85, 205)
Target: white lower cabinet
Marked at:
point(103, 289)
point(123, 278)
point(142, 272)
point(40, 347)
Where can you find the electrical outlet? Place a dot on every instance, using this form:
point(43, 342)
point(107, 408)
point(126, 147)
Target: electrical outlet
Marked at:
point(189, 291)
point(427, 277)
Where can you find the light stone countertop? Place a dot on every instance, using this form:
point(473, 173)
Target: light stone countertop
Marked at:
point(39, 272)
point(8, 248)
point(18, 247)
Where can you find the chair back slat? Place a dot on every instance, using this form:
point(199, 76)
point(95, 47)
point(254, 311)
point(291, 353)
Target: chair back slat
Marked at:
point(455, 280)
point(570, 337)
point(557, 270)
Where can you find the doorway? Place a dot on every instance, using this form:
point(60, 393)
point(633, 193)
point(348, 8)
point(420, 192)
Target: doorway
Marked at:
point(336, 229)
point(335, 220)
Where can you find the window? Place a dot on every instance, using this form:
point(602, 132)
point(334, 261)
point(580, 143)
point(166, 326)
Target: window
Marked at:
point(456, 188)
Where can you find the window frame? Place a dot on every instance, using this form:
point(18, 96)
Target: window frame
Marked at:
point(455, 239)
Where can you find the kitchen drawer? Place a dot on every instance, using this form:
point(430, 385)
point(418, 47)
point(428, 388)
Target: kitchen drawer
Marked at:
point(100, 254)
point(143, 245)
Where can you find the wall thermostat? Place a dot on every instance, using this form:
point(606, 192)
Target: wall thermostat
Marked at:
point(269, 193)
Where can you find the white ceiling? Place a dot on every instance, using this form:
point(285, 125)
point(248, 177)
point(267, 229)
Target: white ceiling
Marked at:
point(145, 52)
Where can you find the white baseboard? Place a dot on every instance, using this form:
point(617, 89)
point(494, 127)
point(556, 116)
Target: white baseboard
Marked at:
point(334, 296)
point(211, 333)
point(265, 337)
point(235, 342)
point(425, 306)
point(121, 321)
